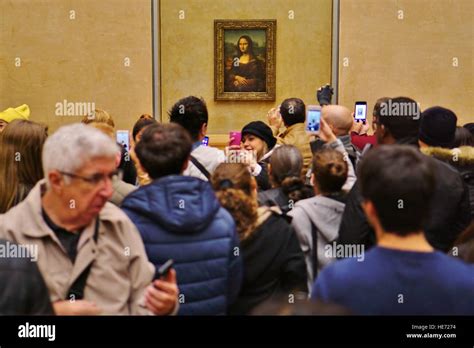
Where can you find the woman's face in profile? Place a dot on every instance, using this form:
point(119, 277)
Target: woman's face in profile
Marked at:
point(243, 45)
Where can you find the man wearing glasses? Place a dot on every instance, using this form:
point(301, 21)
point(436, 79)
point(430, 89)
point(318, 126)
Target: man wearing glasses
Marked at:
point(90, 254)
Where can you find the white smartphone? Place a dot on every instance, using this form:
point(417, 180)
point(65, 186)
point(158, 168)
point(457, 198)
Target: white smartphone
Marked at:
point(313, 119)
point(123, 138)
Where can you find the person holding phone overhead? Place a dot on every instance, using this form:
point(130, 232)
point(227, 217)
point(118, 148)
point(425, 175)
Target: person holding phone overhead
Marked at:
point(292, 116)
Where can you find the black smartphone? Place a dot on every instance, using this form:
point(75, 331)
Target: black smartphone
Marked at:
point(205, 141)
point(164, 269)
point(360, 111)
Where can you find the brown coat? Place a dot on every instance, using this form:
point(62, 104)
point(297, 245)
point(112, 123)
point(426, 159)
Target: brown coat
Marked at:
point(297, 136)
point(120, 273)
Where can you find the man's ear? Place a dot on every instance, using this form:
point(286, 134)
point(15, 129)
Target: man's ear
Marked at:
point(203, 130)
point(370, 213)
point(56, 181)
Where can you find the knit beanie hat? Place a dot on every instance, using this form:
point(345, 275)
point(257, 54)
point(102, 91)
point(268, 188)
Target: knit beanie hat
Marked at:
point(437, 127)
point(19, 113)
point(261, 130)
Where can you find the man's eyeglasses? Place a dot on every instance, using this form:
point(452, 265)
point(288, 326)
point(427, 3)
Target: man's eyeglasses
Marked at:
point(94, 179)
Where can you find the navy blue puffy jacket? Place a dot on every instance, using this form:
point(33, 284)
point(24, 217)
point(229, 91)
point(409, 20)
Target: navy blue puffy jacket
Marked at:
point(180, 218)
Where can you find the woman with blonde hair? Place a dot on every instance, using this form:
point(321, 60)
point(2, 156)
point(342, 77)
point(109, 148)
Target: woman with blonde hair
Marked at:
point(273, 260)
point(21, 144)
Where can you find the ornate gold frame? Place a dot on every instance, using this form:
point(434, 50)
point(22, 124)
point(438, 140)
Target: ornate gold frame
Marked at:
point(220, 26)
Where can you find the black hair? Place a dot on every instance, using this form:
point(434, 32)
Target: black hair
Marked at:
point(400, 116)
point(140, 124)
point(399, 181)
point(191, 114)
point(163, 149)
point(293, 111)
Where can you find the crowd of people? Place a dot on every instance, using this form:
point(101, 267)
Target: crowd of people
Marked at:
point(341, 222)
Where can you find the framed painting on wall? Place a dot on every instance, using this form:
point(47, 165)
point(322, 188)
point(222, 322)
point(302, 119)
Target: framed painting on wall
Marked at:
point(244, 59)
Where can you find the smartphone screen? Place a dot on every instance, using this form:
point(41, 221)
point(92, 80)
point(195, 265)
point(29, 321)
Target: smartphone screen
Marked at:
point(123, 139)
point(313, 120)
point(205, 141)
point(360, 113)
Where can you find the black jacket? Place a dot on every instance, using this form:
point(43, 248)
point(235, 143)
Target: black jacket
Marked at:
point(273, 264)
point(450, 212)
point(22, 288)
point(263, 180)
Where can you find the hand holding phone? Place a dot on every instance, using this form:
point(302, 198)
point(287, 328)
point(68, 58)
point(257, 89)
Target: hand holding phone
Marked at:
point(164, 269)
point(235, 138)
point(360, 111)
point(123, 138)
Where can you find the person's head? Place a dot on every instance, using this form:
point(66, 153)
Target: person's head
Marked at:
point(21, 144)
point(236, 190)
point(437, 127)
point(396, 120)
point(329, 171)
point(463, 137)
point(286, 171)
point(338, 118)
point(79, 162)
point(191, 114)
point(21, 112)
point(141, 124)
point(293, 111)
point(258, 137)
point(397, 184)
point(245, 45)
point(100, 116)
point(470, 127)
point(109, 131)
point(164, 149)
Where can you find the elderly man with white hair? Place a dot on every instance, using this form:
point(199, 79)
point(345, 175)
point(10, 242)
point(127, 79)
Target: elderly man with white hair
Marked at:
point(90, 254)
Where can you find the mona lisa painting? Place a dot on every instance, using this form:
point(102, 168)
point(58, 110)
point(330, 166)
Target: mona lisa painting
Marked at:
point(244, 59)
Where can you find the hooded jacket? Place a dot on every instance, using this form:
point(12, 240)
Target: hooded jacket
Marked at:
point(180, 218)
point(462, 159)
point(325, 214)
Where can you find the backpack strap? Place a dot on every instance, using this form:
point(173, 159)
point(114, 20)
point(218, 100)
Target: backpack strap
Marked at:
point(76, 291)
point(199, 166)
point(314, 235)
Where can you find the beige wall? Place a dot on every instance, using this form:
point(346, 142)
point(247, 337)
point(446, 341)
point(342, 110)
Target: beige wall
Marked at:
point(81, 60)
point(303, 53)
point(410, 57)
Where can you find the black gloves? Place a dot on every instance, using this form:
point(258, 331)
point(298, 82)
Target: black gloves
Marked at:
point(324, 95)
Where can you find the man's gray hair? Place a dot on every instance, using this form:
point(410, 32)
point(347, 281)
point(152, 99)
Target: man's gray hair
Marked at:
point(72, 146)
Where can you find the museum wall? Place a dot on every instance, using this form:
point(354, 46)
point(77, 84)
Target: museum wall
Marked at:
point(101, 53)
point(104, 55)
point(303, 53)
point(424, 52)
